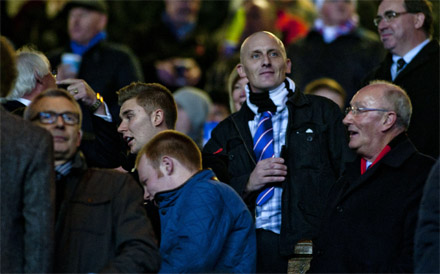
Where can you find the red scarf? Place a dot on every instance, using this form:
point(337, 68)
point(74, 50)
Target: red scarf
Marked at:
point(384, 151)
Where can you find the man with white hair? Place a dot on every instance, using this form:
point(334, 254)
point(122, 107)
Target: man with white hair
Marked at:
point(34, 76)
point(371, 214)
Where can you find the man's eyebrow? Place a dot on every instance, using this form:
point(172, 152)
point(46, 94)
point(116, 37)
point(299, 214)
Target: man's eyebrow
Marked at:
point(126, 112)
point(256, 51)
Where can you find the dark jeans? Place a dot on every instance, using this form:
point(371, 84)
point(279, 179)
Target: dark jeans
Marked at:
point(269, 259)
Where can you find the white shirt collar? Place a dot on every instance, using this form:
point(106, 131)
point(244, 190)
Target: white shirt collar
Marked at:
point(412, 53)
point(25, 102)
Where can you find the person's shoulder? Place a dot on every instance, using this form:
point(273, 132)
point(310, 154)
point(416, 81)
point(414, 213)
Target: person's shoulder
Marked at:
point(367, 35)
point(423, 160)
point(112, 179)
point(227, 123)
point(115, 47)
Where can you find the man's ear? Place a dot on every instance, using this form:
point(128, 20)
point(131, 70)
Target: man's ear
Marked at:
point(38, 79)
point(80, 134)
point(390, 119)
point(419, 19)
point(102, 22)
point(157, 117)
point(288, 65)
point(167, 165)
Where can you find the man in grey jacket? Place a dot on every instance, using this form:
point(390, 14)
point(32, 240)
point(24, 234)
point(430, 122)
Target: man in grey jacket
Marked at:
point(26, 186)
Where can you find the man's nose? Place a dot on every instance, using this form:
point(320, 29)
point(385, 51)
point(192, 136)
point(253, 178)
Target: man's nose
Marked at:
point(59, 122)
point(383, 24)
point(347, 119)
point(122, 127)
point(266, 60)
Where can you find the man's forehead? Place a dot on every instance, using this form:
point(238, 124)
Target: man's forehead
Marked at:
point(369, 94)
point(58, 104)
point(388, 5)
point(128, 105)
point(261, 41)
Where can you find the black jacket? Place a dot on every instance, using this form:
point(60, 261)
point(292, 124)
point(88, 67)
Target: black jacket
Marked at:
point(371, 218)
point(314, 161)
point(420, 79)
point(101, 225)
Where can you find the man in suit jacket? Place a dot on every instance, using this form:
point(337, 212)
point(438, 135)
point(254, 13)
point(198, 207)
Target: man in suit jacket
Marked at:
point(26, 186)
point(371, 214)
point(100, 222)
point(405, 28)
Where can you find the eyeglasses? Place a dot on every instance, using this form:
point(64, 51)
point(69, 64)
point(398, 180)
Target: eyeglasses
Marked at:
point(388, 16)
point(357, 110)
point(50, 117)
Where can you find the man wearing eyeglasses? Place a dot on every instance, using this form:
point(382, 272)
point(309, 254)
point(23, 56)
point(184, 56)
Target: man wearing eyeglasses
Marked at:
point(370, 218)
point(100, 222)
point(405, 28)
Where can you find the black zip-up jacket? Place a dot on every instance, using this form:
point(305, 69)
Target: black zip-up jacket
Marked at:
point(316, 144)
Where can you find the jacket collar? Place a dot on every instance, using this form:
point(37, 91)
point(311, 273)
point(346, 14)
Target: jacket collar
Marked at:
point(401, 149)
point(424, 55)
point(420, 59)
point(169, 197)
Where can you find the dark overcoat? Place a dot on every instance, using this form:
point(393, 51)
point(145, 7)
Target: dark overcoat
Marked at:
point(371, 218)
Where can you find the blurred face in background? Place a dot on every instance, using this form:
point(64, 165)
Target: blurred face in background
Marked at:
point(182, 11)
point(336, 12)
point(239, 92)
point(84, 24)
point(332, 95)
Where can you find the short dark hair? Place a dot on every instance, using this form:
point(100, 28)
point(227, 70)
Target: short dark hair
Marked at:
point(8, 66)
point(425, 7)
point(174, 144)
point(30, 112)
point(151, 96)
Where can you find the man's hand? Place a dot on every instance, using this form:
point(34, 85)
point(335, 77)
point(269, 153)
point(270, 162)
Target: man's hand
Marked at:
point(270, 170)
point(82, 92)
point(64, 71)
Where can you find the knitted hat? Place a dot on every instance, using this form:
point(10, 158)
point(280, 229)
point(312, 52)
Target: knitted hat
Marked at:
point(196, 103)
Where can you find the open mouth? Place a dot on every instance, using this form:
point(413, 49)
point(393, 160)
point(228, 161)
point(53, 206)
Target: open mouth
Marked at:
point(59, 139)
point(128, 139)
point(352, 133)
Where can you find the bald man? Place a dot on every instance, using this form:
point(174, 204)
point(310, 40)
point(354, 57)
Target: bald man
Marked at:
point(286, 191)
